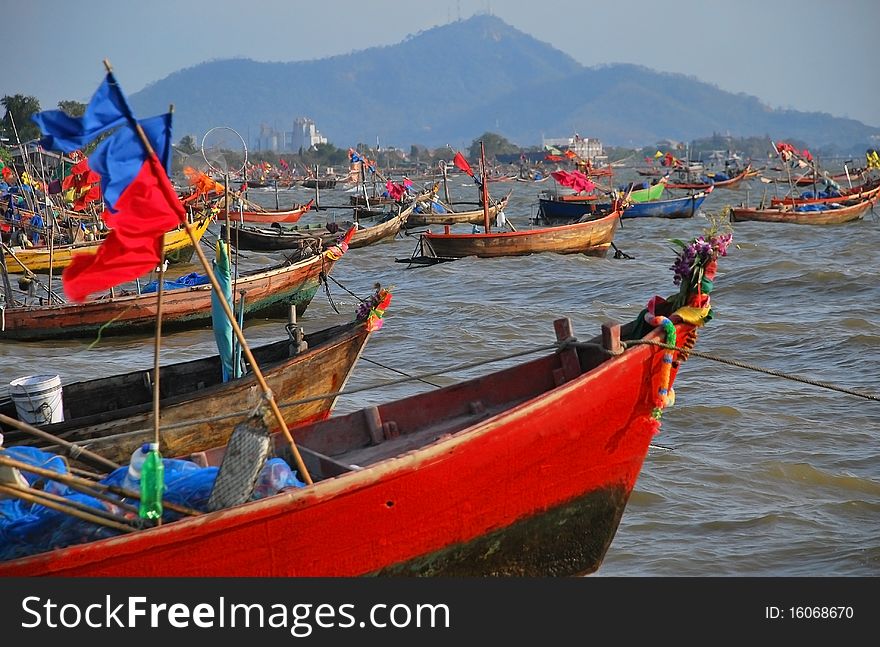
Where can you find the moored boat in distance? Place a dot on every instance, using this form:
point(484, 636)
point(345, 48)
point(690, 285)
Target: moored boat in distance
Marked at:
point(683, 207)
point(810, 214)
point(269, 291)
point(591, 237)
point(268, 216)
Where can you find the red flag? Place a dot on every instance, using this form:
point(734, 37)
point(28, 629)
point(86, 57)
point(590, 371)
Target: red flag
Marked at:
point(574, 179)
point(561, 177)
point(86, 185)
point(462, 163)
point(146, 209)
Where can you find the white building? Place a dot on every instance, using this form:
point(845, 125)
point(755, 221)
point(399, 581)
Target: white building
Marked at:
point(304, 135)
point(584, 147)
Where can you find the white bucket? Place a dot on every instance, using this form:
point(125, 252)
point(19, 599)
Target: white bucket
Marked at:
point(38, 399)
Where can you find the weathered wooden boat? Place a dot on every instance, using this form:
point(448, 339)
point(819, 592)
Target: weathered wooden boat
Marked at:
point(526, 471)
point(730, 183)
point(271, 239)
point(683, 207)
point(178, 249)
point(319, 183)
point(591, 237)
point(386, 229)
point(268, 216)
point(424, 216)
point(268, 292)
point(855, 194)
point(112, 416)
point(796, 214)
point(566, 208)
point(370, 201)
point(295, 238)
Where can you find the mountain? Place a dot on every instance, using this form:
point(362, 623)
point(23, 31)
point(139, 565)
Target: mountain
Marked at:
point(452, 83)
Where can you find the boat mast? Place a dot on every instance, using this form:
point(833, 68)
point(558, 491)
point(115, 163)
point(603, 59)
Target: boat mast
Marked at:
point(8, 295)
point(484, 187)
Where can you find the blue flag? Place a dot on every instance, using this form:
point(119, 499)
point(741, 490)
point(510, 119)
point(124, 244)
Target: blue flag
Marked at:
point(107, 109)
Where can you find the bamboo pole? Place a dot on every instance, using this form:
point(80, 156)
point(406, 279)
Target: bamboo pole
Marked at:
point(73, 484)
point(30, 274)
point(157, 345)
point(70, 449)
point(25, 159)
point(43, 498)
point(484, 187)
point(363, 178)
point(9, 297)
point(49, 220)
point(215, 285)
point(89, 486)
point(445, 186)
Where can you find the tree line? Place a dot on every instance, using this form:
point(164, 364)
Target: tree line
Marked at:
point(17, 126)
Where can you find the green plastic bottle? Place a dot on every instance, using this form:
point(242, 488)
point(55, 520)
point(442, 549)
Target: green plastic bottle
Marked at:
point(152, 484)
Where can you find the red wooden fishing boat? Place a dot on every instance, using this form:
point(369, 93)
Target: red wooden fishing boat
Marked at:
point(524, 471)
point(269, 216)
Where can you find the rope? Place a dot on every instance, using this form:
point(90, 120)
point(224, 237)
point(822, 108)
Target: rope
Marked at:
point(558, 345)
point(620, 254)
point(345, 288)
point(322, 278)
point(759, 369)
point(394, 370)
point(335, 394)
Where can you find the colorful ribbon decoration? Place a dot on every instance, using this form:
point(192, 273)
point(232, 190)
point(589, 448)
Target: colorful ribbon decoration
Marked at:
point(665, 393)
point(337, 251)
point(375, 317)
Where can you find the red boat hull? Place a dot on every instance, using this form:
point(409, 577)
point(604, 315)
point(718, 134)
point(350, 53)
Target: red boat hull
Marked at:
point(268, 217)
point(537, 488)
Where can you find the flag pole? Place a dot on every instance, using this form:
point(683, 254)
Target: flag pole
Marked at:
point(484, 189)
point(215, 285)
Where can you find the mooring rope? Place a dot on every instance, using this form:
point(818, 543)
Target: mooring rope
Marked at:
point(372, 361)
point(343, 287)
point(398, 371)
point(468, 365)
point(328, 396)
point(759, 369)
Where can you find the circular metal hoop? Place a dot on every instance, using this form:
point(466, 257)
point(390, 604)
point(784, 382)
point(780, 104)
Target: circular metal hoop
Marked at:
point(243, 146)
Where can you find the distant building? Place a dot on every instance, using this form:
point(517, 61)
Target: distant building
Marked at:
point(303, 135)
point(584, 147)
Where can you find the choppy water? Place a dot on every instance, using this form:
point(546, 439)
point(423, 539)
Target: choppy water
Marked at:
point(765, 476)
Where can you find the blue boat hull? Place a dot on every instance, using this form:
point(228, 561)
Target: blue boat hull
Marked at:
point(684, 207)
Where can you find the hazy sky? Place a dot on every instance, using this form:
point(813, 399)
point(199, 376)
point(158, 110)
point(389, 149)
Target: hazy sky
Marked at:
point(810, 55)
